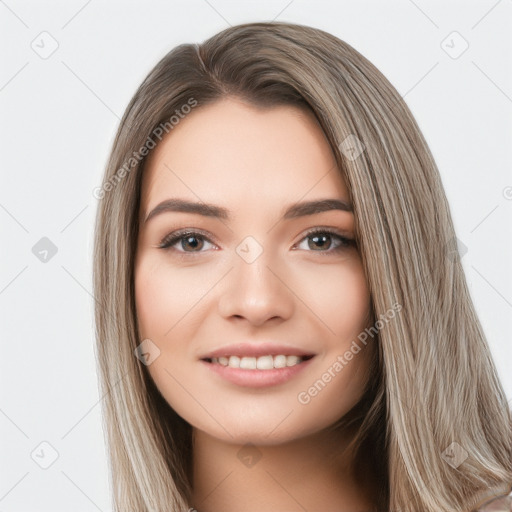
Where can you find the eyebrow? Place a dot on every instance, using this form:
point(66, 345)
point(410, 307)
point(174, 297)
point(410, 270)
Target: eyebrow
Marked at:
point(211, 210)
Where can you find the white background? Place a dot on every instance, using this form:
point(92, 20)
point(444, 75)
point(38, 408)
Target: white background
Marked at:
point(59, 116)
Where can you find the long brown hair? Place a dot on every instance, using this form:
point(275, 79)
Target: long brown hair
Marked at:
point(434, 392)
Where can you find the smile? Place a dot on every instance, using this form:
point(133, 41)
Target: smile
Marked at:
point(267, 362)
point(257, 372)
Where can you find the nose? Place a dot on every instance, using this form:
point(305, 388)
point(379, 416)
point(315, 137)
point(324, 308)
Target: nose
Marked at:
point(256, 291)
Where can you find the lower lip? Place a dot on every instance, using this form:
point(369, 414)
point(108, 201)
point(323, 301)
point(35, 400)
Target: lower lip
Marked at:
point(257, 378)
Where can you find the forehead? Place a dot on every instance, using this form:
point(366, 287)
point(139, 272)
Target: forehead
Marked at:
point(232, 150)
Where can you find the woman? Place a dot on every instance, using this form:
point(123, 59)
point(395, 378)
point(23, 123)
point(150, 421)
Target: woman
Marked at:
point(283, 321)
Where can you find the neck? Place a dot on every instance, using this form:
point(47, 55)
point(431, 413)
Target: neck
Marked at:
point(311, 473)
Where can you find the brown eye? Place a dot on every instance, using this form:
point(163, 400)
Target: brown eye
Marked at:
point(191, 241)
point(321, 240)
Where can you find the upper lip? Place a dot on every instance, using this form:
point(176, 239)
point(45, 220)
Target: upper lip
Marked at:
point(257, 350)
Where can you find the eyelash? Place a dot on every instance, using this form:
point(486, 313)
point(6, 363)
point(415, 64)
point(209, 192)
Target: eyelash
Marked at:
point(177, 236)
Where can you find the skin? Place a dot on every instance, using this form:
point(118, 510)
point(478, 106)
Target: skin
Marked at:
point(254, 162)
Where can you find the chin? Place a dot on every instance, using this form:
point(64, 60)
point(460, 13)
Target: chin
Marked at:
point(266, 433)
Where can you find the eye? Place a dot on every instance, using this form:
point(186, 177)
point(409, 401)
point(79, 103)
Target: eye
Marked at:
point(322, 241)
point(193, 240)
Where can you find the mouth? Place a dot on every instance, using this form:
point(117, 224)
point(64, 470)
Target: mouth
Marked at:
point(265, 362)
point(264, 371)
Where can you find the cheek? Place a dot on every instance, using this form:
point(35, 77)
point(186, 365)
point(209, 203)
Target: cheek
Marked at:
point(350, 311)
point(151, 299)
point(170, 305)
point(343, 302)
point(163, 297)
point(340, 297)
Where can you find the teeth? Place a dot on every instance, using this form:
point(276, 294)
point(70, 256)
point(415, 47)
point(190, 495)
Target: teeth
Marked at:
point(279, 361)
point(293, 360)
point(264, 362)
point(248, 363)
point(234, 361)
point(258, 363)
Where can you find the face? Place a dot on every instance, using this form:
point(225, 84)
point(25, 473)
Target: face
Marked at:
point(246, 282)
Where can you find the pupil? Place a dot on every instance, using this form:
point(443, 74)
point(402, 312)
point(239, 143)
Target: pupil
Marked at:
point(193, 245)
point(323, 237)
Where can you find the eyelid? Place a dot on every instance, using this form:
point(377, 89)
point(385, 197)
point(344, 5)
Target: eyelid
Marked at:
point(344, 233)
